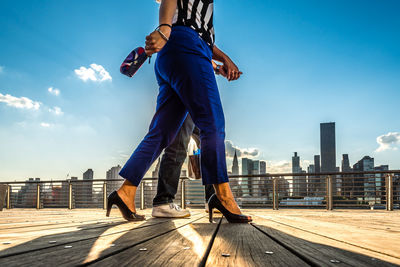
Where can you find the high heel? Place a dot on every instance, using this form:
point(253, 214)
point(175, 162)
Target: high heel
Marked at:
point(114, 199)
point(214, 202)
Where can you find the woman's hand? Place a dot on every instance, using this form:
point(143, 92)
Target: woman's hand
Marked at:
point(230, 70)
point(155, 42)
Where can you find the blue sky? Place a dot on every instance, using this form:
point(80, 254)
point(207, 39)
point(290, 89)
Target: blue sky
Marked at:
point(304, 62)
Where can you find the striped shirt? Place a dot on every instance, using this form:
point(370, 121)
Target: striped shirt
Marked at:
point(197, 14)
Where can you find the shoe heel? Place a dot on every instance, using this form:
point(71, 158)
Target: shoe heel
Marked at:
point(109, 206)
point(210, 214)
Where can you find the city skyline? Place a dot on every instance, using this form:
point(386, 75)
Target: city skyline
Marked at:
point(65, 107)
point(253, 165)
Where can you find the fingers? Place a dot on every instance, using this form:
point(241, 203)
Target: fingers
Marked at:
point(154, 43)
point(233, 75)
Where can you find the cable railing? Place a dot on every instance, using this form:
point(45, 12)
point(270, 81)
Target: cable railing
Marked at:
point(375, 189)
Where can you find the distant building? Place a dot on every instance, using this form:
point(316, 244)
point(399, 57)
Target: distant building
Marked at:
point(234, 182)
point(311, 168)
point(235, 165)
point(250, 186)
point(347, 180)
point(396, 187)
point(113, 174)
point(311, 180)
point(84, 191)
point(263, 167)
point(299, 182)
point(254, 182)
point(26, 196)
point(296, 163)
point(317, 163)
point(364, 184)
point(380, 181)
point(247, 167)
point(315, 185)
point(328, 147)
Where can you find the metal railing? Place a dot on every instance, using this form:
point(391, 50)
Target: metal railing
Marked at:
point(377, 189)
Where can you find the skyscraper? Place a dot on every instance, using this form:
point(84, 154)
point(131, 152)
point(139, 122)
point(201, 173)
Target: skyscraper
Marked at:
point(317, 163)
point(296, 163)
point(314, 185)
point(254, 184)
point(88, 175)
point(113, 174)
point(347, 180)
point(263, 167)
point(345, 163)
point(235, 165)
point(85, 190)
point(246, 170)
point(250, 185)
point(265, 182)
point(299, 182)
point(328, 147)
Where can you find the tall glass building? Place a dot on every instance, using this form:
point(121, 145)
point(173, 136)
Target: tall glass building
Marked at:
point(328, 147)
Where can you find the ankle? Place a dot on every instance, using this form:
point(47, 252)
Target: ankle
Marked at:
point(127, 190)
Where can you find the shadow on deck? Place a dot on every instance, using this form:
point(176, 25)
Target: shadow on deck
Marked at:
point(275, 238)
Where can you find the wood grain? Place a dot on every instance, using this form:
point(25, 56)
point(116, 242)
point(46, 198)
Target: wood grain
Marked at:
point(246, 246)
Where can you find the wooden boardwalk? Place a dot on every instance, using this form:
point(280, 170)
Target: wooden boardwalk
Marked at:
point(52, 237)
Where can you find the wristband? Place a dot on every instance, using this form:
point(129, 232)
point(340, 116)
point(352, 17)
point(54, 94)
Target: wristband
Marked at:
point(164, 24)
point(162, 34)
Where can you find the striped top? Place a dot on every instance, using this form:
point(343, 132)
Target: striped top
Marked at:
point(197, 14)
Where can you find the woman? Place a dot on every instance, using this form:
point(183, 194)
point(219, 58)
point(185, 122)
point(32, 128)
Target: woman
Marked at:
point(187, 85)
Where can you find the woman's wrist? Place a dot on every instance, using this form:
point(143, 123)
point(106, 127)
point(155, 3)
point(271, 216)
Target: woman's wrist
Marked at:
point(165, 29)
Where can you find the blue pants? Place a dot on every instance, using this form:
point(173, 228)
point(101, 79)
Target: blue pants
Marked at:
point(187, 84)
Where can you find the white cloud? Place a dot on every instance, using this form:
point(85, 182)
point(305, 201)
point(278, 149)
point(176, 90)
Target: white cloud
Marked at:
point(54, 91)
point(240, 152)
point(45, 124)
point(1, 69)
point(19, 102)
point(95, 73)
point(56, 111)
point(388, 141)
point(282, 166)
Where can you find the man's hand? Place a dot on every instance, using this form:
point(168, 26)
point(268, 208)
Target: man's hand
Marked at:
point(155, 42)
point(230, 70)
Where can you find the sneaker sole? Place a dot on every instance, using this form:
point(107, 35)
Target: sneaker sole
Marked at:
point(171, 217)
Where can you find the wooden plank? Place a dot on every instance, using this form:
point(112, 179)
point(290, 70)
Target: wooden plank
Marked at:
point(95, 247)
point(32, 217)
point(184, 247)
point(385, 242)
point(246, 246)
point(319, 249)
point(39, 239)
point(51, 223)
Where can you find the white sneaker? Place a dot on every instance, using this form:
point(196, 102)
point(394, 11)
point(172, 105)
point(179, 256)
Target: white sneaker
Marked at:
point(170, 210)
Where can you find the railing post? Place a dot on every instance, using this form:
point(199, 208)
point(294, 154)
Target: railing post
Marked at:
point(9, 197)
point(38, 196)
point(70, 196)
point(105, 195)
point(142, 204)
point(275, 200)
point(329, 198)
point(183, 192)
point(389, 192)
